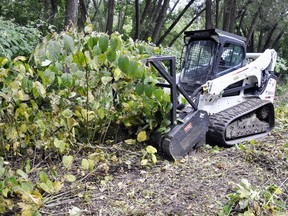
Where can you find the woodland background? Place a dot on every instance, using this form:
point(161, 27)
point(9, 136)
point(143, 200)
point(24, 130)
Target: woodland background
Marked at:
point(67, 147)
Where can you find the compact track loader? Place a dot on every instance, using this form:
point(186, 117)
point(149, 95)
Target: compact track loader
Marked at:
point(229, 100)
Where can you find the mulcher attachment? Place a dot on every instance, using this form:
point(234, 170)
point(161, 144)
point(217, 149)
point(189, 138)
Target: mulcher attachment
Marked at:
point(187, 135)
point(190, 131)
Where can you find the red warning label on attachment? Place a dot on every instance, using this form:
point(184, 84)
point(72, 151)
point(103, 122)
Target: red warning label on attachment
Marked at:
point(188, 127)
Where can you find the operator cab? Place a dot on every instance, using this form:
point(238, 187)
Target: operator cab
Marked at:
point(210, 54)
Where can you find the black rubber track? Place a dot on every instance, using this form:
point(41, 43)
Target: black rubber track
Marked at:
point(219, 121)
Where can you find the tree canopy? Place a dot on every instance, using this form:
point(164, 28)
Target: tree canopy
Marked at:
point(262, 22)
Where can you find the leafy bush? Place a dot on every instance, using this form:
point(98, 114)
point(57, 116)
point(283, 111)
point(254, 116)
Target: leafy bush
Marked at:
point(81, 87)
point(245, 200)
point(17, 40)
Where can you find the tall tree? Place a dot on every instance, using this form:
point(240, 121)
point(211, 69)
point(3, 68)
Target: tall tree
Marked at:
point(83, 11)
point(208, 15)
point(121, 15)
point(71, 12)
point(175, 22)
point(110, 16)
point(137, 20)
point(160, 20)
point(186, 27)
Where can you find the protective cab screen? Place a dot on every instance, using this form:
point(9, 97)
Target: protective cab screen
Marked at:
point(198, 62)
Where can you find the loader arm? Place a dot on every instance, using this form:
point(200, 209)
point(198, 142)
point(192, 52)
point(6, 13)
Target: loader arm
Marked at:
point(253, 71)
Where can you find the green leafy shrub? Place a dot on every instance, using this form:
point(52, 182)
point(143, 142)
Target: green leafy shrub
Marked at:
point(17, 40)
point(246, 200)
point(79, 88)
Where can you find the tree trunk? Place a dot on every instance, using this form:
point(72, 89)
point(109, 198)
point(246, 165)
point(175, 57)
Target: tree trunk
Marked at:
point(260, 41)
point(109, 26)
point(226, 16)
point(147, 7)
point(232, 16)
point(175, 22)
point(269, 36)
point(137, 20)
point(239, 26)
point(98, 15)
point(277, 40)
point(186, 27)
point(217, 17)
point(84, 12)
point(121, 15)
point(159, 21)
point(156, 10)
point(252, 26)
point(71, 10)
point(208, 15)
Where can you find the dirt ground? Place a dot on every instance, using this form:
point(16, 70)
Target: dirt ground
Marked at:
point(196, 185)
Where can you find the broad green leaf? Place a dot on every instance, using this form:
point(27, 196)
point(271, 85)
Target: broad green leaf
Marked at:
point(130, 141)
point(144, 162)
point(67, 80)
point(141, 136)
point(27, 166)
point(60, 144)
point(133, 68)
point(26, 84)
point(67, 113)
point(114, 43)
point(22, 174)
point(159, 93)
point(4, 192)
point(149, 90)
point(67, 161)
point(71, 122)
point(57, 186)
point(22, 96)
point(39, 88)
point(117, 74)
point(154, 159)
point(53, 51)
point(3, 61)
point(80, 59)
point(106, 79)
point(85, 164)
point(227, 209)
point(103, 42)
point(45, 187)
point(102, 58)
point(92, 42)
point(70, 178)
point(43, 177)
point(151, 150)
point(20, 58)
point(111, 55)
point(139, 89)
point(149, 39)
point(68, 43)
point(123, 63)
point(27, 186)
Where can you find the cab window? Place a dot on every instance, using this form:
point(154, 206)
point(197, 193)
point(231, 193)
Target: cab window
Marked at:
point(231, 58)
point(198, 61)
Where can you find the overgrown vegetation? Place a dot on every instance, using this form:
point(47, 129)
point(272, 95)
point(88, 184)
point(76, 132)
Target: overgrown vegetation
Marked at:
point(76, 91)
point(16, 40)
point(57, 108)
